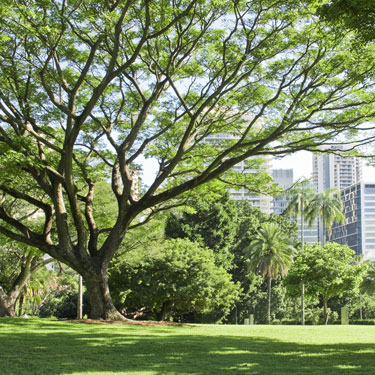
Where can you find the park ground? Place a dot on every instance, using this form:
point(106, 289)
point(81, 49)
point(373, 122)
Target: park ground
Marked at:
point(42, 346)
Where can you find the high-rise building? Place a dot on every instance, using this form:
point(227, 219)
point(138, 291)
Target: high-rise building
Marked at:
point(334, 171)
point(284, 178)
point(358, 232)
point(331, 170)
point(263, 202)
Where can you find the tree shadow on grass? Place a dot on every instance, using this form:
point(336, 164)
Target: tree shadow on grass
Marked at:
point(59, 349)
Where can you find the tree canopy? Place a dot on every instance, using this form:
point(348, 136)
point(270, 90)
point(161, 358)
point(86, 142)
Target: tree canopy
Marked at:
point(89, 89)
point(357, 15)
point(327, 271)
point(174, 277)
point(329, 207)
point(211, 224)
point(271, 255)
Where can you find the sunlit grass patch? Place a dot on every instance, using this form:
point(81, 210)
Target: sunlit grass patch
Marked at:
point(51, 347)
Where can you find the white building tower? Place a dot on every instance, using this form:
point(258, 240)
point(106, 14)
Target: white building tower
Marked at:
point(331, 170)
point(335, 171)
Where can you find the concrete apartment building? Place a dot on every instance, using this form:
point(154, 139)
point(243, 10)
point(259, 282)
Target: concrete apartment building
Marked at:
point(331, 170)
point(263, 202)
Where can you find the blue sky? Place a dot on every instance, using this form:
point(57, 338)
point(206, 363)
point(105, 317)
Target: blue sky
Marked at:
point(301, 162)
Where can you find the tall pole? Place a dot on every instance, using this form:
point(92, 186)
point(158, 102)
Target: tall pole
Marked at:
point(303, 283)
point(79, 302)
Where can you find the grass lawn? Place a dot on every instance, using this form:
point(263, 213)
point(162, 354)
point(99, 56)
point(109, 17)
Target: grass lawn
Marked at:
point(51, 347)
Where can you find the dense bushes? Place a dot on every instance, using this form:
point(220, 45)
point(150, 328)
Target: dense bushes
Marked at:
point(62, 304)
point(170, 279)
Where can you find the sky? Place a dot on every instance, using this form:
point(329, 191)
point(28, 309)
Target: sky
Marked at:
point(301, 162)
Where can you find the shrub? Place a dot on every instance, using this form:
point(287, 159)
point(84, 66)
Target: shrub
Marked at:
point(62, 304)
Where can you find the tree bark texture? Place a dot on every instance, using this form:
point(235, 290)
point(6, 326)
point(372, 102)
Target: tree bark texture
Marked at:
point(101, 305)
point(269, 300)
point(7, 304)
point(8, 299)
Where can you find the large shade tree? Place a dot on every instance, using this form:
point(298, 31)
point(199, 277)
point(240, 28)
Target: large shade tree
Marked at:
point(88, 89)
point(355, 15)
point(271, 254)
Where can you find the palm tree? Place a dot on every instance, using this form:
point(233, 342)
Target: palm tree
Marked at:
point(298, 207)
point(271, 255)
point(329, 206)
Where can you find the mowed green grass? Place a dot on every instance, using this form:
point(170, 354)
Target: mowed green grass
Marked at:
point(51, 347)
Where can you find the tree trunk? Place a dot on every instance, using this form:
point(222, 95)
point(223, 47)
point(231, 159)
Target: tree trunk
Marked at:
point(324, 231)
point(269, 301)
point(20, 303)
point(8, 300)
point(7, 304)
point(161, 314)
point(101, 305)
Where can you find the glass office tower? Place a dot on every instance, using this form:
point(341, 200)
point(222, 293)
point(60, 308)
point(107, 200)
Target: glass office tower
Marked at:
point(359, 209)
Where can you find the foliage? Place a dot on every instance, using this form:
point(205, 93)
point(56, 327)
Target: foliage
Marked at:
point(33, 293)
point(21, 276)
point(271, 255)
point(210, 224)
point(13, 257)
point(249, 219)
point(301, 195)
point(240, 222)
point(282, 306)
point(363, 305)
point(90, 89)
point(368, 283)
point(328, 271)
point(298, 206)
point(329, 206)
point(62, 304)
point(364, 322)
point(271, 251)
point(61, 296)
point(357, 15)
point(171, 279)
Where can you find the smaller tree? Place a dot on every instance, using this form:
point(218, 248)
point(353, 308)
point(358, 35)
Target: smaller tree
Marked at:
point(298, 206)
point(271, 255)
point(170, 278)
point(329, 271)
point(210, 224)
point(17, 265)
